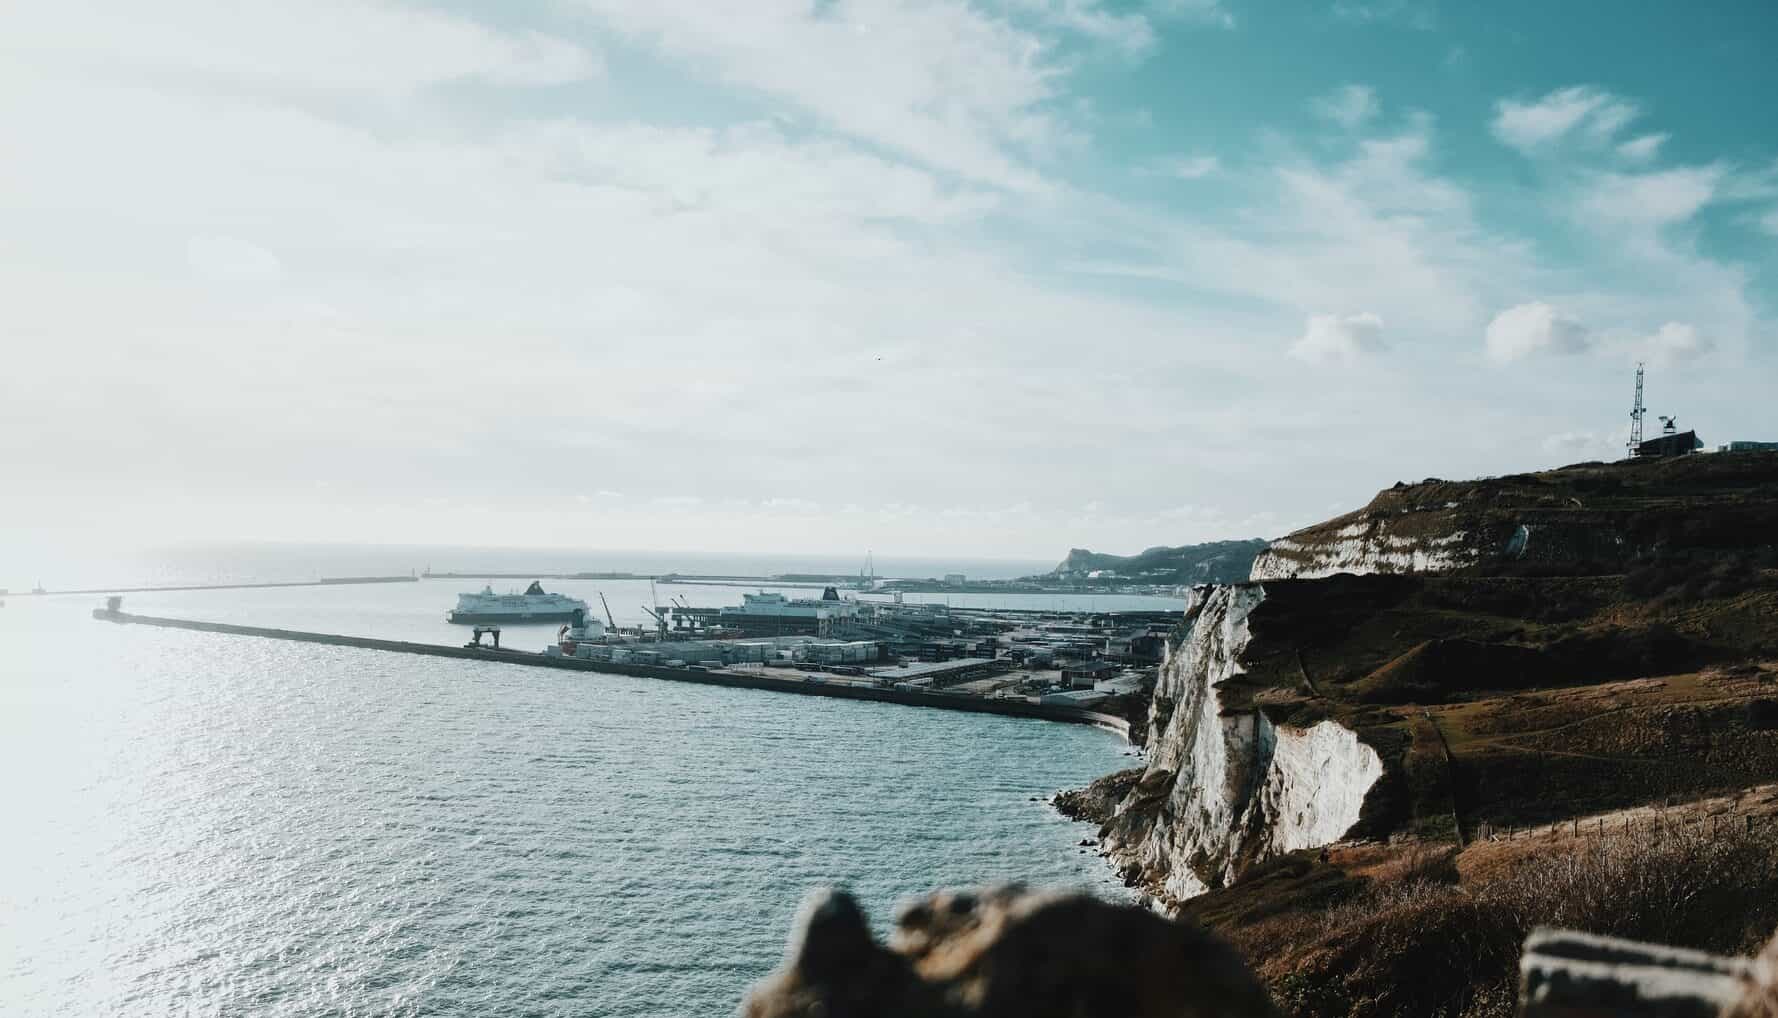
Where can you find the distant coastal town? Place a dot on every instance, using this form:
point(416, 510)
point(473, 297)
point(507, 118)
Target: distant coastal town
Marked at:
point(1164, 571)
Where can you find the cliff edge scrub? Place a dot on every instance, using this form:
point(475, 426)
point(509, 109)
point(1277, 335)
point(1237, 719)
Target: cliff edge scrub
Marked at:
point(1438, 933)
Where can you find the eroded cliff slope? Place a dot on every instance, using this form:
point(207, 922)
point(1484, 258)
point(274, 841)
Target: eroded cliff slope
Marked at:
point(1636, 660)
point(1225, 785)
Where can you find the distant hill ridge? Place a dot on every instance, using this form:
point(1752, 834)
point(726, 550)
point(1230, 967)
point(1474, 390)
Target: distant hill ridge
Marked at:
point(1215, 562)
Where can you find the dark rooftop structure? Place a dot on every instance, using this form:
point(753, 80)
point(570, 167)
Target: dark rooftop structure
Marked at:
point(1678, 443)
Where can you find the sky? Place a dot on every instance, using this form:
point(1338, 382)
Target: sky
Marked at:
point(929, 277)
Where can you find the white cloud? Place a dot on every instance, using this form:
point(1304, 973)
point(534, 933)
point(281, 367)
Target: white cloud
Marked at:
point(230, 259)
point(1207, 12)
point(1189, 167)
point(1672, 343)
point(1650, 199)
point(1129, 32)
point(1534, 328)
point(1349, 105)
point(1642, 149)
point(332, 46)
point(1529, 126)
point(691, 270)
point(1416, 14)
point(1769, 222)
point(1339, 338)
point(1378, 231)
point(1583, 445)
point(937, 80)
point(800, 506)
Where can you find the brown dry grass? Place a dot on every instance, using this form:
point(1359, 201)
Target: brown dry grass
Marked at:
point(1429, 932)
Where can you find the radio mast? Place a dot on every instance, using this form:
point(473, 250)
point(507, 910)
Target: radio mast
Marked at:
point(1636, 413)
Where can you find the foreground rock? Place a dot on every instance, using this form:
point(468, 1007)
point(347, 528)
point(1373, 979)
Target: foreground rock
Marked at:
point(1005, 953)
point(1011, 953)
point(1565, 975)
point(1761, 998)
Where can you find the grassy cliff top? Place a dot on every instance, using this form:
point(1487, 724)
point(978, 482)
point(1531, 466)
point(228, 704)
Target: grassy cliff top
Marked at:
point(1526, 698)
point(1528, 691)
point(1585, 518)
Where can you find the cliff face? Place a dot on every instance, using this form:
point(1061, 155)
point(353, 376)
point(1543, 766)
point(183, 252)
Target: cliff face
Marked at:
point(1225, 786)
point(1366, 545)
point(1508, 650)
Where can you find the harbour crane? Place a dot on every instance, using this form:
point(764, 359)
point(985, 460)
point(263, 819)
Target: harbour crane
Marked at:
point(608, 617)
point(660, 621)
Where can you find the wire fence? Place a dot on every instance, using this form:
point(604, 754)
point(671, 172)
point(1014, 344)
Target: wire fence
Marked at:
point(1646, 827)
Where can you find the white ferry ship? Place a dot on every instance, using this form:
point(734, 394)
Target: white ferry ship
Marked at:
point(779, 615)
point(534, 605)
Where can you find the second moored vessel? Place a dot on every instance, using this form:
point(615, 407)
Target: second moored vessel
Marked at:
point(534, 605)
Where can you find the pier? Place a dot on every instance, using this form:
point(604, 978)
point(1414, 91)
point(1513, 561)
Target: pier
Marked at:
point(325, 581)
point(806, 686)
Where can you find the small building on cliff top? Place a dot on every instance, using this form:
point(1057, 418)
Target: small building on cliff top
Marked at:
point(1679, 443)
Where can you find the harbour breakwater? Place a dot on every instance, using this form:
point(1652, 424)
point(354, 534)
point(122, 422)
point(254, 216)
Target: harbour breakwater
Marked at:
point(325, 581)
point(804, 685)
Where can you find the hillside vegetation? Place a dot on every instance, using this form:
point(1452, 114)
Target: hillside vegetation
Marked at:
point(1423, 928)
point(1216, 562)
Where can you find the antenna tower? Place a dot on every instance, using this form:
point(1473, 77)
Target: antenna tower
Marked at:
point(1636, 413)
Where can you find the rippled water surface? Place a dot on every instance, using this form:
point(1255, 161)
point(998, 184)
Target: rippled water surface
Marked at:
point(222, 825)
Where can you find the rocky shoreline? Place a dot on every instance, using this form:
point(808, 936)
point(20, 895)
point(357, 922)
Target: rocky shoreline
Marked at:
point(1096, 803)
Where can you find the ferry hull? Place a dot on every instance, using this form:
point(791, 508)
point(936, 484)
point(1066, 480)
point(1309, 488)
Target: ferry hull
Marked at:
point(495, 618)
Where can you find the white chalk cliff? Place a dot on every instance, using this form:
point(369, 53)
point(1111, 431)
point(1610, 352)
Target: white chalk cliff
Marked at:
point(1439, 526)
point(1225, 787)
point(1363, 547)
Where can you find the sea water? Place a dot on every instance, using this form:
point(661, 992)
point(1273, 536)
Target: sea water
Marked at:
point(206, 824)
